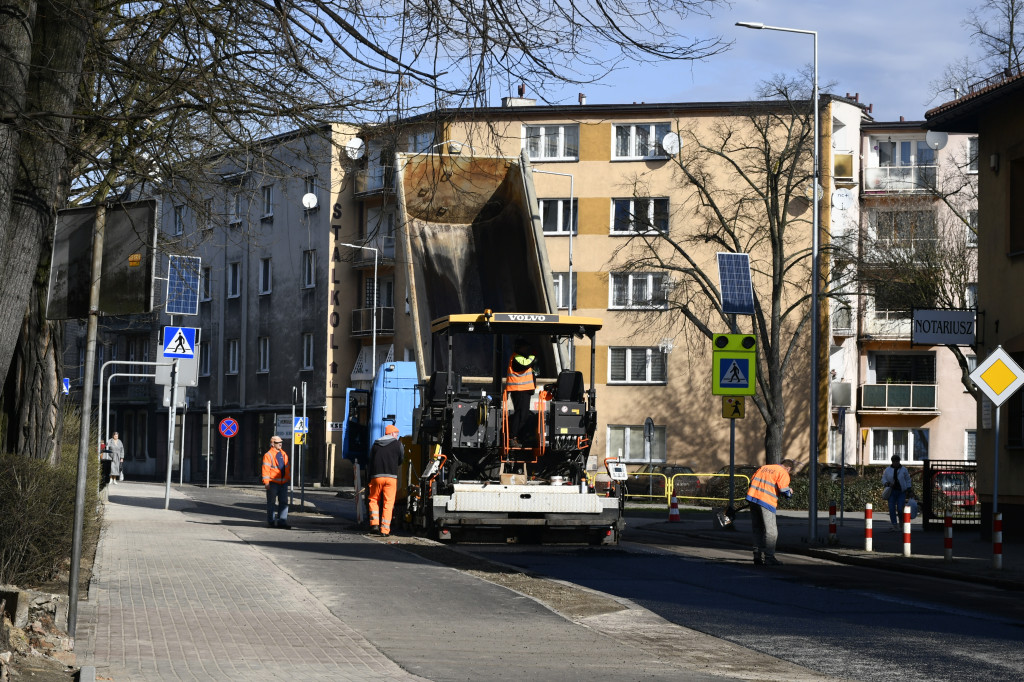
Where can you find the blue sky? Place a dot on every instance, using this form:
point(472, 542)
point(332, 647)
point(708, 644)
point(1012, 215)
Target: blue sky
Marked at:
point(890, 52)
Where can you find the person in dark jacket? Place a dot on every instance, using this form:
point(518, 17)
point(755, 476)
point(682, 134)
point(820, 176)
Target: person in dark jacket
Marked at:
point(385, 462)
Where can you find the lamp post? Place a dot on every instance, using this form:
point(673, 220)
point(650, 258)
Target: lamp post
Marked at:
point(815, 276)
point(376, 294)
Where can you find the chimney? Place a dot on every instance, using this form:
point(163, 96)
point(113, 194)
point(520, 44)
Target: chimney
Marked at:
point(901, 119)
point(871, 108)
point(856, 97)
point(583, 99)
point(522, 89)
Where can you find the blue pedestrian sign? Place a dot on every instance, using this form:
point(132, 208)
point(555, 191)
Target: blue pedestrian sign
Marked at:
point(734, 364)
point(179, 342)
point(301, 425)
point(66, 385)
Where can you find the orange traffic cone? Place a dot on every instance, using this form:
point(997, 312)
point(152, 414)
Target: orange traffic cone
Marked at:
point(673, 512)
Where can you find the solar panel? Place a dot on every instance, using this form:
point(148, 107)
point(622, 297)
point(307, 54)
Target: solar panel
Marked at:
point(734, 281)
point(182, 285)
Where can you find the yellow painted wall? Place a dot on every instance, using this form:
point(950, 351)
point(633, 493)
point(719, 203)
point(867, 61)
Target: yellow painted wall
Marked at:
point(595, 141)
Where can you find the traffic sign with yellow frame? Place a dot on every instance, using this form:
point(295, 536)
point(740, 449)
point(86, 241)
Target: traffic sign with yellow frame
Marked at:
point(734, 364)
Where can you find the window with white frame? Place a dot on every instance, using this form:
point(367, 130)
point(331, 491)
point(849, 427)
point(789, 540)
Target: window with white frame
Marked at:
point(266, 275)
point(972, 363)
point(972, 155)
point(206, 284)
point(904, 228)
point(234, 280)
point(558, 216)
point(637, 290)
point(639, 140)
point(204, 359)
point(639, 214)
point(901, 368)
point(307, 351)
point(232, 356)
point(972, 227)
point(971, 296)
point(179, 220)
point(552, 142)
point(911, 445)
point(267, 193)
point(629, 441)
point(263, 354)
point(562, 290)
point(970, 445)
point(235, 209)
point(309, 269)
point(310, 184)
point(636, 365)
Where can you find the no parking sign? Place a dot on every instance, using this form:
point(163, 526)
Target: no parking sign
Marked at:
point(228, 427)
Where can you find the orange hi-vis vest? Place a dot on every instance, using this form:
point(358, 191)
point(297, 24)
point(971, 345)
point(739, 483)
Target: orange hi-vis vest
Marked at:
point(519, 381)
point(766, 484)
point(275, 467)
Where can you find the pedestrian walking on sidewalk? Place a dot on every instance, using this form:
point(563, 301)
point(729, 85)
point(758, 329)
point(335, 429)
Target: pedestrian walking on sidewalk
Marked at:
point(766, 485)
point(276, 476)
point(116, 449)
point(385, 462)
point(897, 479)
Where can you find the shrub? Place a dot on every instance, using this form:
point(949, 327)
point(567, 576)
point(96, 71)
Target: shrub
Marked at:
point(37, 511)
point(859, 491)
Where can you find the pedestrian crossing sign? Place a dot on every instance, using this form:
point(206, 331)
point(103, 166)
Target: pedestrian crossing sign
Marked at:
point(179, 342)
point(734, 364)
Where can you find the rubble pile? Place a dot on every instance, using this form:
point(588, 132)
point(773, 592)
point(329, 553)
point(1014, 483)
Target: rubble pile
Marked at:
point(34, 626)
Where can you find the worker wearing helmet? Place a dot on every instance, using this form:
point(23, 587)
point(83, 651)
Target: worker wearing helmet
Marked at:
point(766, 485)
point(519, 384)
point(385, 461)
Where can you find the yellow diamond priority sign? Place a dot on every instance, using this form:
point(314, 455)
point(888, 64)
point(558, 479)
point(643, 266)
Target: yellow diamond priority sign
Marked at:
point(999, 377)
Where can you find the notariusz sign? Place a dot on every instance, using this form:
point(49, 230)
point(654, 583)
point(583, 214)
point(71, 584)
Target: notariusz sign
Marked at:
point(943, 328)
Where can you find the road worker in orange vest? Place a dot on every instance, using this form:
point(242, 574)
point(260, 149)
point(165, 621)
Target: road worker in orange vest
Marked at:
point(519, 384)
point(276, 477)
point(384, 464)
point(767, 484)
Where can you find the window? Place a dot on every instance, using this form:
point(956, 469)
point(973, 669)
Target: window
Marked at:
point(911, 445)
point(234, 280)
point(204, 359)
point(266, 276)
point(629, 441)
point(232, 353)
point(263, 348)
point(561, 280)
point(206, 219)
point(310, 185)
point(420, 143)
point(971, 296)
point(556, 218)
point(205, 284)
point(972, 227)
point(972, 363)
point(972, 155)
point(637, 290)
point(309, 269)
point(905, 229)
point(902, 368)
point(307, 351)
point(179, 220)
point(553, 142)
point(385, 298)
point(636, 366)
point(268, 201)
point(235, 209)
point(970, 445)
point(640, 214)
point(639, 140)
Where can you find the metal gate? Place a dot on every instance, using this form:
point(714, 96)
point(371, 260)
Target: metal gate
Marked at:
point(949, 485)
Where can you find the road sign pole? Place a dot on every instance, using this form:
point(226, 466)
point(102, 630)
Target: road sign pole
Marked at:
point(209, 441)
point(227, 456)
point(305, 435)
point(732, 462)
point(995, 471)
point(181, 448)
point(172, 411)
point(291, 469)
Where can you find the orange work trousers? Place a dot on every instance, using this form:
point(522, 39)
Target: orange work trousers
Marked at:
point(381, 509)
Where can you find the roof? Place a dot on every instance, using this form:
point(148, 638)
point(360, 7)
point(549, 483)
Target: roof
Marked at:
point(961, 115)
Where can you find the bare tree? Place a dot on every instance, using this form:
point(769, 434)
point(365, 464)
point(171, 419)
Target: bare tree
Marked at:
point(748, 178)
point(992, 26)
point(99, 101)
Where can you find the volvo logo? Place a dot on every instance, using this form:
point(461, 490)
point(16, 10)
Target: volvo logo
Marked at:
point(525, 317)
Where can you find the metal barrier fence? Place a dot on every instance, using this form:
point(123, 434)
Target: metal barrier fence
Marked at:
point(949, 485)
point(696, 488)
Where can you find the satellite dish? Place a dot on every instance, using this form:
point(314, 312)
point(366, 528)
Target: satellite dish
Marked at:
point(842, 199)
point(936, 139)
point(355, 148)
point(671, 143)
point(309, 200)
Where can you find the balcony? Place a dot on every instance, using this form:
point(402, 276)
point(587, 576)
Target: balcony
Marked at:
point(895, 398)
point(900, 180)
point(362, 322)
point(373, 181)
point(887, 324)
point(842, 322)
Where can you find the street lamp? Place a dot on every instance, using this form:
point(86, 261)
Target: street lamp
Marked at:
point(815, 275)
point(376, 293)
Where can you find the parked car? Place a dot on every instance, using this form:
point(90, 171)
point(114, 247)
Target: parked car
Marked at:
point(953, 487)
point(835, 472)
point(650, 479)
point(718, 486)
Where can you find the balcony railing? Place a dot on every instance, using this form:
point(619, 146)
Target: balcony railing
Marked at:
point(890, 324)
point(362, 321)
point(898, 397)
point(374, 180)
point(900, 179)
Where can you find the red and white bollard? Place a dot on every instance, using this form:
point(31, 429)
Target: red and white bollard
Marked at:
point(997, 541)
point(948, 523)
point(906, 531)
point(867, 527)
point(832, 523)
point(673, 512)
